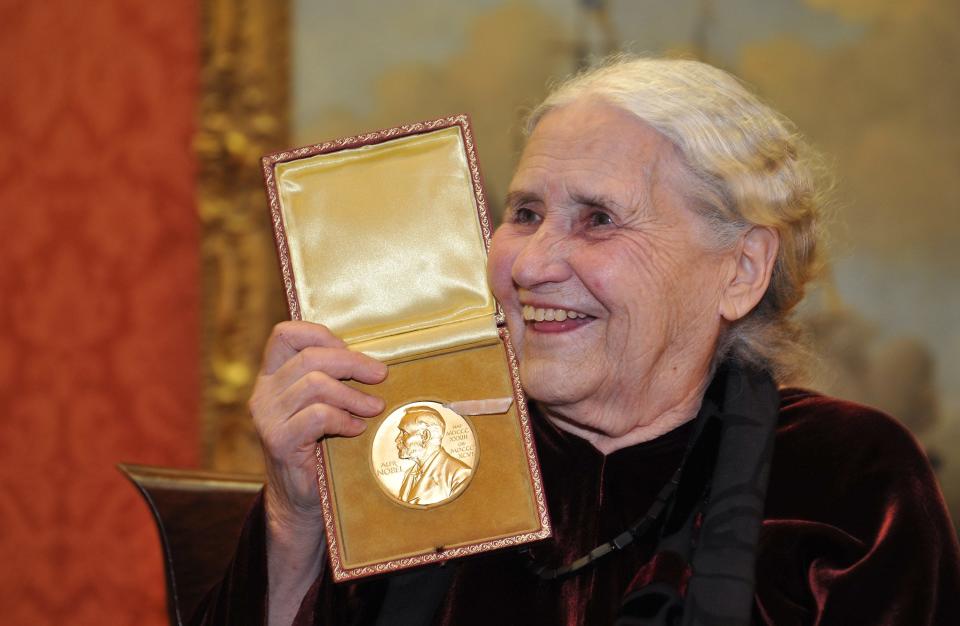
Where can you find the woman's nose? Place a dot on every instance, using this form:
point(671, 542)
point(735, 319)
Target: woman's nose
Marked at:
point(543, 258)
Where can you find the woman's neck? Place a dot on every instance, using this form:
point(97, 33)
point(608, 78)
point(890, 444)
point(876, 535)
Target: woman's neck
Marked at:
point(631, 422)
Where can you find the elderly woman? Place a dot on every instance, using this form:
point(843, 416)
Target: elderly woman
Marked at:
point(659, 231)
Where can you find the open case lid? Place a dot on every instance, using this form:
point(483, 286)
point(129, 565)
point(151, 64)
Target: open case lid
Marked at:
point(383, 238)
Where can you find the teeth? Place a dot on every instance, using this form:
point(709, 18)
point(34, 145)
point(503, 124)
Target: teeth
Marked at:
point(534, 314)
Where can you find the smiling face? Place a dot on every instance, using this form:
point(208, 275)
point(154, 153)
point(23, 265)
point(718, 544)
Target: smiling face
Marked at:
point(608, 280)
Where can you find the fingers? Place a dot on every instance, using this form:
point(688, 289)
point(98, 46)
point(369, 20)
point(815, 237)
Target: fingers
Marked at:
point(300, 398)
point(318, 387)
point(322, 420)
point(312, 374)
point(301, 432)
point(338, 363)
point(289, 338)
point(316, 363)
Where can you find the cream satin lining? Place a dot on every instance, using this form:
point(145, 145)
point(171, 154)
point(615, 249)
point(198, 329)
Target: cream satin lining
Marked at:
point(386, 247)
point(392, 349)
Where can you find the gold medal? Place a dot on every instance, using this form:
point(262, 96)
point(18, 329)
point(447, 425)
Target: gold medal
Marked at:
point(424, 454)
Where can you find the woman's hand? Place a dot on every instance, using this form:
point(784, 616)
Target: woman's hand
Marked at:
point(298, 399)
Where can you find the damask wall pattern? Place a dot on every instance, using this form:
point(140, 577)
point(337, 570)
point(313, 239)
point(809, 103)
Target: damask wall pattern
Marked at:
point(99, 302)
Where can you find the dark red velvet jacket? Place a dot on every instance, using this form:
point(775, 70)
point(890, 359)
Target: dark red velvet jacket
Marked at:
point(855, 533)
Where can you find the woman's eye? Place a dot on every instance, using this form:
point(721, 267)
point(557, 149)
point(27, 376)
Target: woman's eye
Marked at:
point(523, 215)
point(600, 218)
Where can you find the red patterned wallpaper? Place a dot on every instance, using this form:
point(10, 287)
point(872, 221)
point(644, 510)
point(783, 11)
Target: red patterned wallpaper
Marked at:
point(99, 302)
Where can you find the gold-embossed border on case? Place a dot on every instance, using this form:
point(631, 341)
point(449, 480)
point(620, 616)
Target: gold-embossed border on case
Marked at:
point(344, 564)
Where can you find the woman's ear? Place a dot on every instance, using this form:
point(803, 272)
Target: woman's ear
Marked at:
point(755, 257)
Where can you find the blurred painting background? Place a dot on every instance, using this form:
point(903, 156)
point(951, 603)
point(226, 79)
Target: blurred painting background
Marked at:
point(137, 274)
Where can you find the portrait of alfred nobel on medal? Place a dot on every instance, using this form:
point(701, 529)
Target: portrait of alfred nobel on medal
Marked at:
point(435, 475)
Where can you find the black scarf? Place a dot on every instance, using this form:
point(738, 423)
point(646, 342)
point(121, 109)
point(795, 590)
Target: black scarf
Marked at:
point(715, 518)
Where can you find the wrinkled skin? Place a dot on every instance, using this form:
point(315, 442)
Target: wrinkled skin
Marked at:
point(595, 224)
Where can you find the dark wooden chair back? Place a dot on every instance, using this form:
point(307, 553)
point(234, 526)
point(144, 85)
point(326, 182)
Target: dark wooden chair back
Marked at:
point(199, 515)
